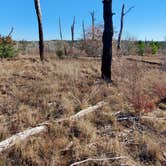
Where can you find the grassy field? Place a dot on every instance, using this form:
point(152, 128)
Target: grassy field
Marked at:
point(132, 124)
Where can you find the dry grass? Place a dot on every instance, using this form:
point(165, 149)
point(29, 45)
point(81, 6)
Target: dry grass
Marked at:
point(31, 93)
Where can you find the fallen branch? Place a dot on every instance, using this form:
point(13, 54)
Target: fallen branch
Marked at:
point(103, 159)
point(8, 143)
point(152, 118)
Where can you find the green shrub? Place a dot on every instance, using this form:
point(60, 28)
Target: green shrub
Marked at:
point(59, 53)
point(7, 49)
point(154, 47)
point(141, 48)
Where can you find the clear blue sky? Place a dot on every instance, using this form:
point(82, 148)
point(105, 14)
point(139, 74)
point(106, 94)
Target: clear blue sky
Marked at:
point(146, 20)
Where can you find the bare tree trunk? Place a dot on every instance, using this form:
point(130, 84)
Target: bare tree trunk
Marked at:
point(39, 17)
point(83, 29)
point(61, 36)
point(72, 31)
point(60, 29)
point(123, 13)
point(93, 24)
point(121, 28)
point(107, 40)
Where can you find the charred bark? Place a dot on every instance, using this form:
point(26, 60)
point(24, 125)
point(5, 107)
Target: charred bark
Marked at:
point(83, 30)
point(123, 13)
point(107, 40)
point(93, 24)
point(72, 31)
point(60, 29)
point(61, 36)
point(40, 27)
point(121, 27)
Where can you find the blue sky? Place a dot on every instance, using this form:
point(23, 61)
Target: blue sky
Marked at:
point(146, 20)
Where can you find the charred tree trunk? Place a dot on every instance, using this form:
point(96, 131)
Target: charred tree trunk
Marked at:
point(60, 29)
point(83, 29)
point(123, 13)
point(93, 24)
point(72, 31)
point(61, 36)
point(121, 28)
point(39, 17)
point(107, 40)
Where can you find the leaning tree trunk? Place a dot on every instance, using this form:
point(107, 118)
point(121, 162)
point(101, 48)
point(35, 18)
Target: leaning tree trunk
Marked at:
point(107, 40)
point(41, 40)
point(121, 28)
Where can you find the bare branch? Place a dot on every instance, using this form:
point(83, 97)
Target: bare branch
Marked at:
point(129, 10)
point(10, 33)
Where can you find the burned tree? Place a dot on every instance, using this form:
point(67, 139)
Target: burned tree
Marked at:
point(61, 37)
point(83, 30)
point(60, 29)
point(123, 13)
point(72, 30)
point(39, 18)
point(107, 40)
point(93, 24)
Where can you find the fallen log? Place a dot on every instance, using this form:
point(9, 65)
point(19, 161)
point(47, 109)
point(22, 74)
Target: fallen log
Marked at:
point(145, 61)
point(9, 142)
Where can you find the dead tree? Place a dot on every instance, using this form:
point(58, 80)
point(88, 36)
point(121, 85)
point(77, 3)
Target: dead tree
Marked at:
point(60, 29)
point(123, 13)
point(40, 27)
point(93, 24)
point(61, 36)
point(83, 30)
point(10, 33)
point(72, 30)
point(107, 40)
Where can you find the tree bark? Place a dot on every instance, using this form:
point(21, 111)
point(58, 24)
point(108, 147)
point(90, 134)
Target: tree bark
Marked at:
point(121, 27)
point(107, 40)
point(39, 18)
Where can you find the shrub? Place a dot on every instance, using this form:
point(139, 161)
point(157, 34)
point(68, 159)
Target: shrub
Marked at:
point(141, 48)
point(59, 53)
point(7, 49)
point(143, 103)
point(154, 47)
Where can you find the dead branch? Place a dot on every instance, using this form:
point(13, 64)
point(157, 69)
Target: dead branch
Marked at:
point(102, 159)
point(129, 10)
point(8, 143)
point(10, 33)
